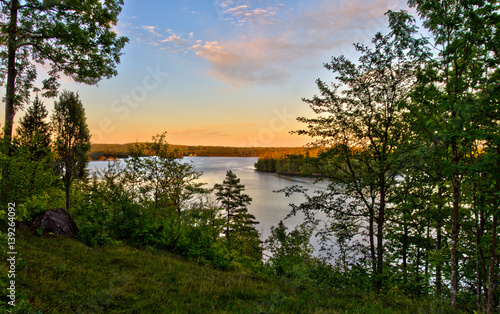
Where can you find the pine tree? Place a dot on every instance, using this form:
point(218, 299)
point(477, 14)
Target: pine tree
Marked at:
point(240, 232)
point(34, 132)
point(28, 174)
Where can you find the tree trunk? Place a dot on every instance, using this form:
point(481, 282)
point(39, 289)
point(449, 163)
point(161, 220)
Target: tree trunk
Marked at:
point(454, 226)
point(491, 274)
point(439, 232)
point(380, 235)
point(67, 184)
point(493, 247)
point(438, 265)
point(481, 279)
point(372, 240)
point(11, 73)
point(67, 175)
point(426, 255)
point(405, 251)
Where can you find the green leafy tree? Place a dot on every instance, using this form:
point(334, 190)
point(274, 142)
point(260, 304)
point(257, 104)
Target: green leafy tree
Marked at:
point(288, 249)
point(74, 38)
point(160, 177)
point(30, 182)
point(29, 178)
point(361, 117)
point(241, 235)
point(456, 104)
point(72, 139)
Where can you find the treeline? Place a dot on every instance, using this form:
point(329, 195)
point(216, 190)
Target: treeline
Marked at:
point(109, 151)
point(288, 164)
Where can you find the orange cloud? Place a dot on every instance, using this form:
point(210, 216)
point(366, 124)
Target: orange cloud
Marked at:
point(172, 38)
point(265, 55)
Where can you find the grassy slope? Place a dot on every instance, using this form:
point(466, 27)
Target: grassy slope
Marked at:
point(61, 275)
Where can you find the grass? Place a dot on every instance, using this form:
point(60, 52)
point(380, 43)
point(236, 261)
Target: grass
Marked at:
point(61, 275)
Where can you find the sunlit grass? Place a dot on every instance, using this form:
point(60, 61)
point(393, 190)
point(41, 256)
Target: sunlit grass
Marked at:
point(60, 275)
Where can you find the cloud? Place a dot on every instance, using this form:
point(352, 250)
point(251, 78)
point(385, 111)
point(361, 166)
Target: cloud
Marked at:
point(275, 39)
point(246, 14)
point(237, 10)
point(214, 52)
point(266, 55)
point(172, 38)
point(151, 29)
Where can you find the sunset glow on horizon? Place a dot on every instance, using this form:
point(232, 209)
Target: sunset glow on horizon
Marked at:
point(223, 72)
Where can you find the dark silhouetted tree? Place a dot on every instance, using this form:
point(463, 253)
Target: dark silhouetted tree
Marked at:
point(34, 132)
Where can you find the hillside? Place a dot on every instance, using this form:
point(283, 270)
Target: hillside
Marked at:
point(60, 275)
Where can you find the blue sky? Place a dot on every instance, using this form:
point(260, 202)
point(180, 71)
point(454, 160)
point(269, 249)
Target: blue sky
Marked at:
point(223, 72)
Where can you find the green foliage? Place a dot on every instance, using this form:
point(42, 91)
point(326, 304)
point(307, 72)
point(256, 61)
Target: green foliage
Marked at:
point(62, 275)
point(72, 139)
point(411, 149)
point(412, 156)
point(360, 118)
point(28, 179)
point(75, 36)
point(104, 151)
point(455, 117)
point(34, 132)
point(52, 197)
point(242, 239)
point(289, 164)
point(288, 250)
point(160, 178)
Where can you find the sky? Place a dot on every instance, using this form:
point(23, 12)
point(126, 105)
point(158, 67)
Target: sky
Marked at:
point(223, 72)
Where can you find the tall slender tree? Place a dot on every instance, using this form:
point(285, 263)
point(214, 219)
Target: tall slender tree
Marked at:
point(72, 139)
point(447, 97)
point(362, 118)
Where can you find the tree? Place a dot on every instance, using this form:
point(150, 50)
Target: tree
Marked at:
point(457, 103)
point(160, 175)
point(240, 232)
point(75, 38)
point(72, 139)
point(34, 131)
point(361, 118)
point(29, 170)
point(288, 249)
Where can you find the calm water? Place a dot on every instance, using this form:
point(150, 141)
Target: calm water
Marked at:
point(268, 207)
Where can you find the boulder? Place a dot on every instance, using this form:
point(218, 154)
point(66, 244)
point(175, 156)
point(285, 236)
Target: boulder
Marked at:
point(58, 221)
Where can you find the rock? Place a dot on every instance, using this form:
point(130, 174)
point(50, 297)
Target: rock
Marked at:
point(58, 221)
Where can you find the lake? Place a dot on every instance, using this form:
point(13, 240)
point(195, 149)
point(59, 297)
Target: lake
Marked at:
point(267, 207)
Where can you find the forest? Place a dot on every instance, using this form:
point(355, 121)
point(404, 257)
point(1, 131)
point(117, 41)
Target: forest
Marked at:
point(110, 151)
point(407, 136)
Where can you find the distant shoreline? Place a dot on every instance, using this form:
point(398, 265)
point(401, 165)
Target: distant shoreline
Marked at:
point(106, 151)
